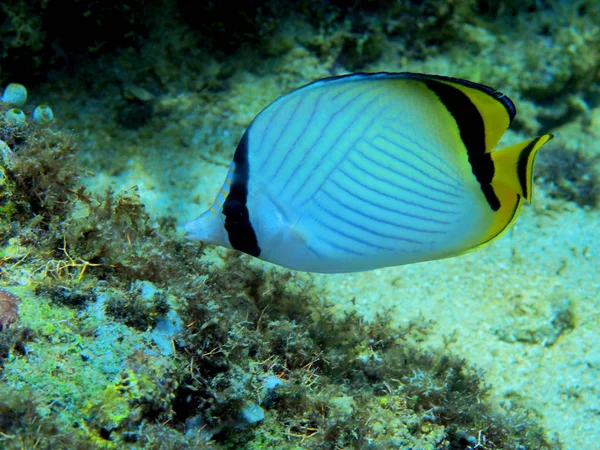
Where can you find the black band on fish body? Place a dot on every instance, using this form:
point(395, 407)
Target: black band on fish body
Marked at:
point(237, 217)
point(472, 132)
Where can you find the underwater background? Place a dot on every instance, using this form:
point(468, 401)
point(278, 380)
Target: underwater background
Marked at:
point(117, 332)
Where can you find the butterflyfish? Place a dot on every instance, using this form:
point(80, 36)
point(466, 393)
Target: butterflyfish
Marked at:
point(362, 171)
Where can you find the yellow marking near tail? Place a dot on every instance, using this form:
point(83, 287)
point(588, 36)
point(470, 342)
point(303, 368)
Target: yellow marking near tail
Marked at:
point(513, 182)
point(514, 165)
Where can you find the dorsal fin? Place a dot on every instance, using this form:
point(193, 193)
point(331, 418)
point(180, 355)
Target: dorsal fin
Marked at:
point(495, 108)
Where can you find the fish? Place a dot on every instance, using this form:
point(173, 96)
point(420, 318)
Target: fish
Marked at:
point(368, 170)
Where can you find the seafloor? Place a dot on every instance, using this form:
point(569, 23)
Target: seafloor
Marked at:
point(116, 332)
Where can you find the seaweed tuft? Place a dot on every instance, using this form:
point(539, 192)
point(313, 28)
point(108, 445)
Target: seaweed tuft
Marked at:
point(321, 381)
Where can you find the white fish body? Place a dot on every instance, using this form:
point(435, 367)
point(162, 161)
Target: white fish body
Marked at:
point(364, 171)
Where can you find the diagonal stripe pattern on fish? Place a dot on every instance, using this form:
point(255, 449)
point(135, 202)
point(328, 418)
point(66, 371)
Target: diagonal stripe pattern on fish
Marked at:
point(363, 171)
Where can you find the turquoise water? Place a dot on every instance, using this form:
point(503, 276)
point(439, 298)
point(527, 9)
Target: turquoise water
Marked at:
point(117, 332)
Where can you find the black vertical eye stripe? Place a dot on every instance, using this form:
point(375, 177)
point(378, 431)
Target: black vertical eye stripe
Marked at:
point(471, 127)
point(237, 218)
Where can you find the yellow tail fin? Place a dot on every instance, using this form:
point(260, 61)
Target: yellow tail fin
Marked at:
point(514, 165)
